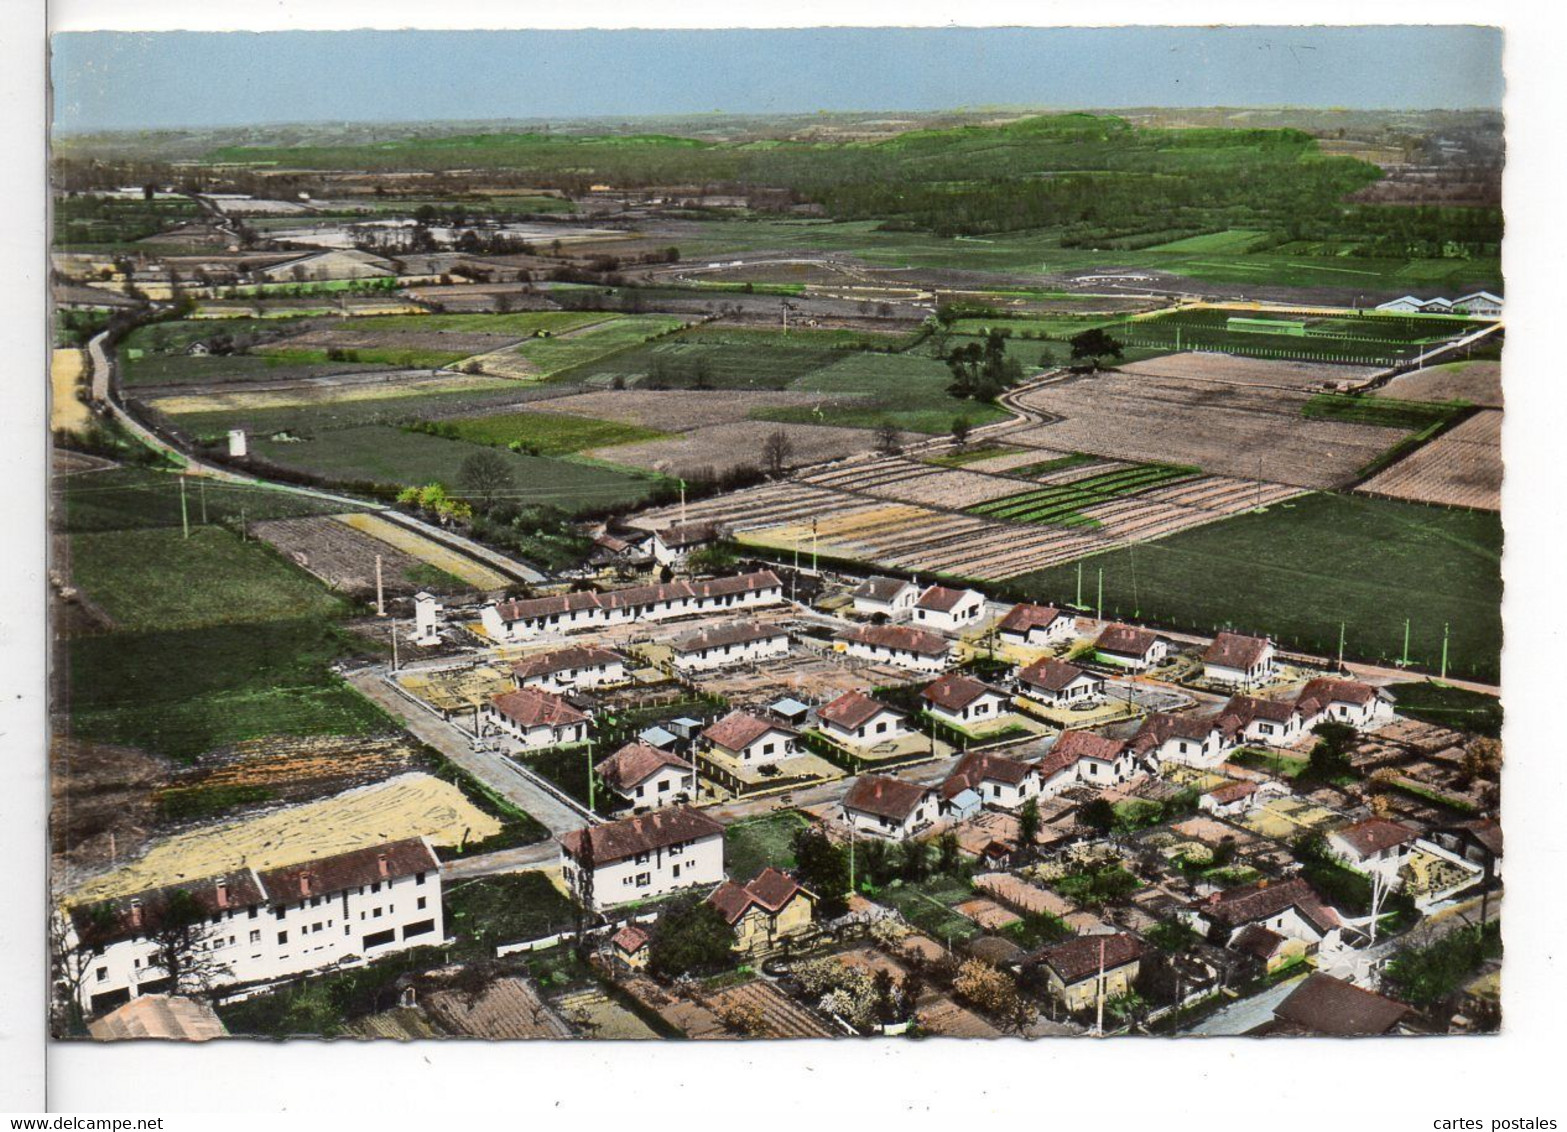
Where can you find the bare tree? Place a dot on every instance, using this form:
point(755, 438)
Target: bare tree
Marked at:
point(183, 946)
point(888, 440)
point(776, 452)
point(485, 474)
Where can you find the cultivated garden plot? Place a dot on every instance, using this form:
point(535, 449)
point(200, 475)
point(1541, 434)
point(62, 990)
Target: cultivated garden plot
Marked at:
point(325, 393)
point(1232, 370)
point(677, 410)
point(1460, 468)
point(725, 446)
point(442, 559)
point(1478, 382)
point(344, 557)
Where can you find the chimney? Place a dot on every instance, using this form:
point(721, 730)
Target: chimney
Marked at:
point(223, 894)
point(304, 884)
point(135, 913)
point(380, 861)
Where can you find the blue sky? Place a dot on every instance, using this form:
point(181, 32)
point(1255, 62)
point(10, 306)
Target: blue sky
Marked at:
point(128, 80)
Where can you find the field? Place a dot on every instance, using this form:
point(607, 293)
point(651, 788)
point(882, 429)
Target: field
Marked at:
point(87, 222)
point(1448, 706)
point(548, 434)
point(133, 499)
point(1298, 570)
point(325, 396)
point(722, 447)
point(906, 390)
point(1479, 383)
point(755, 843)
point(1368, 338)
point(345, 559)
point(66, 409)
point(1383, 412)
point(1063, 505)
point(1460, 468)
point(547, 358)
point(442, 560)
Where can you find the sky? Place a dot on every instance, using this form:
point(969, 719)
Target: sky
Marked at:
point(142, 80)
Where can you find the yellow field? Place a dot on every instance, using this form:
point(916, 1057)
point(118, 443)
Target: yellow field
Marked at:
point(838, 534)
point(66, 368)
point(458, 689)
point(324, 395)
point(426, 550)
point(408, 805)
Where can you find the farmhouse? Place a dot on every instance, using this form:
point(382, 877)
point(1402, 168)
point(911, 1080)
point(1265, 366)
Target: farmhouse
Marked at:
point(1082, 756)
point(1373, 844)
point(534, 719)
point(580, 666)
point(749, 739)
point(648, 777)
point(1237, 661)
point(764, 910)
point(641, 857)
point(739, 642)
point(266, 925)
point(1058, 684)
point(890, 597)
point(948, 610)
point(998, 781)
point(673, 545)
point(1290, 908)
point(1037, 626)
point(856, 720)
point(1131, 647)
point(1335, 1008)
point(1082, 971)
point(962, 701)
point(899, 645)
point(1327, 700)
point(891, 808)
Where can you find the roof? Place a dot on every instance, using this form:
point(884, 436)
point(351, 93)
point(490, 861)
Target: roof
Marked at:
point(1325, 1005)
point(658, 737)
point(1080, 744)
point(884, 796)
point(617, 840)
point(1021, 618)
point(1126, 640)
point(881, 589)
point(1232, 650)
point(1477, 295)
point(1254, 939)
point(1486, 831)
point(978, 766)
point(955, 691)
point(788, 707)
point(739, 730)
point(173, 1018)
point(942, 599)
point(529, 609)
point(1159, 727)
point(1077, 959)
point(534, 707)
point(1325, 690)
point(634, 596)
point(1053, 675)
point(734, 633)
point(357, 867)
point(1232, 792)
point(688, 534)
point(630, 939)
point(901, 638)
point(1236, 907)
point(636, 763)
point(852, 710)
point(136, 914)
point(738, 584)
point(561, 660)
point(1374, 835)
point(1244, 709)
point(770, 891)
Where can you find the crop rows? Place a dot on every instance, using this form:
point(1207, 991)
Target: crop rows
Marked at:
point(1063, 504)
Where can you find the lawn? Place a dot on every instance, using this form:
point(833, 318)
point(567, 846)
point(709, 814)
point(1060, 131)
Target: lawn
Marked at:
point(568, 767)
point(905, 389)
point(1448, 706)
point(183, 692)
point(510, 908)
point(548, 434)
point(755, 843)
point(1300, 569)
point(158, 579)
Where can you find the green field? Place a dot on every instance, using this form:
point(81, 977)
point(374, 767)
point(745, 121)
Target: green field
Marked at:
point(1062, 505)
point(1055, 464)
point(158, 579)
point(521, 323)
point(961, 457)
point(1299, 569)
point(755, 843)
point(1364, 338)
point(549, 434)
point(567, 769)
point(136, 499)
point(554, 357)
point(907, 390)
point(1383, 412)
point(1449, 706)
point(95, 223)
point(1232, 240)
point(182, 369)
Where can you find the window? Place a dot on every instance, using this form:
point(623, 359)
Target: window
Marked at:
point(676, 850)
point(421, 903)
point(255, 937)
point(422, 927)
point(375, 913)
point(641, 858)
point(663, 787)
point(644, 879)
point(254, 911)
point(103, 974)
point(280, 912)
point(376, 887)
point(419, 878)
point(282, 937)
point(675, 872)
point(378, 939)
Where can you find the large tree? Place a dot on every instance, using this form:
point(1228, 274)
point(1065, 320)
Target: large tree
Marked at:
point(823, 867)
point(485, 475)
point(1094, 346)
point(777, 450)
point(691, 937)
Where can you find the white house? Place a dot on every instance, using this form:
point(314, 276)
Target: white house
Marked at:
point(856, 720)
point(901, 646)
point(1163, 739)
point(743, 591)
point(1037, 626)
point(882, 806)
point(1232, 799)
point(749, 739)
point(533, 719)
point(1131, 647)
point(739, 642)
point(264, 925)
point(1238, 661)
point(531, 617)
point(673, 545)
point(1058, 684)
point(427, 619)
point(648, 777)
point(948, 610)
point(1328, 700)
point(642, 857)
point(1274, 723)
point(1374, 844)
point(891, 597)
point(962, 701)
point(1479, 304)
point(999, 781)
point(574, 667)
point(1083, 758)
point(1290, 908)
point(509, 621)
point(1404, 304)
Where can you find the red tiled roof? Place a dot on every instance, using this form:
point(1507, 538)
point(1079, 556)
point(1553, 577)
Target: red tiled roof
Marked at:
point(125, 917)
point(941, 599)
point(1232, 650)
point(739, 584)
point(1236, 907)
point(630, 939)
point(1232, 792)
point(1159, 727)
point(739, 729)
point(560, 660)
point(770, 891)
point(881, 589)
point(852, 710)
point(617, 840)
point(1053, 675)
point(1254, 939)
point(955, 691)
point(636, 763)
point(900, 637)
point(735, 633)
point(1026, 616)
point(1244, 709)
point(1126, 640)
point(633, 597)
point(1374, 835)
point(977, 766)
point(884, 796)
point(327, 875)
point(529, 609)
point(1319, 693)
point(1077, 959)
point(1087, 745)
point(534, 707)
point(1325, 1005)
point(688, 535)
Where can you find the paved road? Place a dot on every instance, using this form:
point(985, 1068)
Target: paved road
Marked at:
point(526, 859)
point(1246, 1014)
point(486, 766)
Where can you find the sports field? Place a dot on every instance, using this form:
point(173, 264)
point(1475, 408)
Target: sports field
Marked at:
point(1299, 569)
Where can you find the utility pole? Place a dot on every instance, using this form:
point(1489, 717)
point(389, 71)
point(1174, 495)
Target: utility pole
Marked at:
point(1404, 663)
point(1341, 646)
point(380, 593)
point(394, 646)
point(1099, 993)
point(1099, 603)
point(1444, 650)
point(592, 805)
point(682, 502)
point(1080, 584)
point(201, 486)
point(813, 547)
point(184, 511)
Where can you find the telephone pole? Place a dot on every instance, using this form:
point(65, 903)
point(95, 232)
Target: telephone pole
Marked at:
point(1404, 663)
point(1444, 650)
point(1080, 584)
point(201, 486)
point(184, 510)
point(1341, 646)
point(380, 593)
point(1099, 603)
